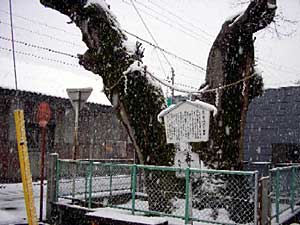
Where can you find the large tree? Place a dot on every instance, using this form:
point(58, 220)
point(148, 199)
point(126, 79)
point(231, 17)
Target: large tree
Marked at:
point(231, 73)
point(138, 100)
point(136, 97)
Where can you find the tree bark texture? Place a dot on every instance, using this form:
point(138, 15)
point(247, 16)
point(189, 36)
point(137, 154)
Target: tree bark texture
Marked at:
point(230, 60)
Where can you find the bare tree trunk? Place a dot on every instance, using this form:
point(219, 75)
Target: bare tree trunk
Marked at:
point(230, 61)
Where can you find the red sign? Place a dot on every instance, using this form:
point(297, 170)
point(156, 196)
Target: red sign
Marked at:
point(44, 114)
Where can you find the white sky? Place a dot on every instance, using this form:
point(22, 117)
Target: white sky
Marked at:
point(184, 27)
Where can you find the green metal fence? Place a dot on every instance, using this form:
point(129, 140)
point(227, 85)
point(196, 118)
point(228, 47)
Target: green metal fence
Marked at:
point(285, 190)
point(210, 196)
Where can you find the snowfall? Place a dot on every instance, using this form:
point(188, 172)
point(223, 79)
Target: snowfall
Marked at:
point(12, 204)
point(37, 68)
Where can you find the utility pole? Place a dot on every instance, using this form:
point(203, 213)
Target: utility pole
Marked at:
point(172, 79)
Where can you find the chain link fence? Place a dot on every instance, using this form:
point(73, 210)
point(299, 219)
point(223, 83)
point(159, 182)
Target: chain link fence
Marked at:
point(207, 196)
point(284, 190)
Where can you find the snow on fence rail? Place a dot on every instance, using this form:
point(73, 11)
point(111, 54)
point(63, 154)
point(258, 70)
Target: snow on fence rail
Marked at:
point(215, 196)
point(285, 190)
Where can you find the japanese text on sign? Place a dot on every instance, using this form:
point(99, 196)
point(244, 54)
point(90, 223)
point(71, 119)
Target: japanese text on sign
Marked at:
point(187, 125)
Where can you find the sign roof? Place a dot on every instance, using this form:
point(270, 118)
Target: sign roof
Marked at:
point(196, 104)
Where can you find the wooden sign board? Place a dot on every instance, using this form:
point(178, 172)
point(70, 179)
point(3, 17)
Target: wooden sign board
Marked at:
point(187, 121)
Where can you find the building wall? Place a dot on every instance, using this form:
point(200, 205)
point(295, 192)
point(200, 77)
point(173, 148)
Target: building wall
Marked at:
point(272, 131)
point(101, 134)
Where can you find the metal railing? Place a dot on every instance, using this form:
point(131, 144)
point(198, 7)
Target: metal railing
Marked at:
point(284, 190)
point(210, 196)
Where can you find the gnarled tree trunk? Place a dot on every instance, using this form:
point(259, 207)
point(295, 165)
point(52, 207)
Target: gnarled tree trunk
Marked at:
point(138, 101)
point(231, 64)
point(136, 98)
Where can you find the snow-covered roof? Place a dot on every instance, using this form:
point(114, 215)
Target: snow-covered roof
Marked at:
point(197, 103)
point(40, 70)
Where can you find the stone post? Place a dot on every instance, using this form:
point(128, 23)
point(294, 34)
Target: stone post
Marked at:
point(51, 184)
point(264, 202)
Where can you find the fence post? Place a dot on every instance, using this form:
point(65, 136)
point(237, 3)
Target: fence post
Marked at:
point(86, 177)
point(110, 184)
point(187, 196)
point(133, 185)
point(277, 194)
point(90, 182)
point(74, 182)
point(265, 204)
point(58, 174)
point(255, 197)
point(52, 184)
point(293, 188)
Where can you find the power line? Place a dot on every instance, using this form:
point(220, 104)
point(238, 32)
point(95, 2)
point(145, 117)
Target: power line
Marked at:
point(180, 18)
point(40, 57)
point(175, 22)
point(127, 32)
point(167, 52)
point(160, 63)
point(182, 85)
point(39, 47)
point(40, 23)
point(265, 62)
point(40, 34)
point(169, 24)
point(269, 64)
point(148, 30)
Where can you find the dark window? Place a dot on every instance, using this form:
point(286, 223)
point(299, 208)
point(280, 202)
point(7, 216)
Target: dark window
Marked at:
point(285, 153)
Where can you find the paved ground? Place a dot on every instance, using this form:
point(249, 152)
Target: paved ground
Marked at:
point(12, 204)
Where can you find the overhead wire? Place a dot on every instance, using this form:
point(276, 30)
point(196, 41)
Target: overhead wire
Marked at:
point(178, 24)
point(40, 23)
point(169, 24)
point(281, 67)
point(41, 34)
point(148, 30)
point(129, 33)
point(264, 61)
point(39, 47)
point(160, 63)
point(40, 57)
point(180, 18)
point(166, 51)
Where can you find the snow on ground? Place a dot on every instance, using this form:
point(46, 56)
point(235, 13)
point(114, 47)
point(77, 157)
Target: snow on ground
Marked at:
point(12, 204)
point(125, 216)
